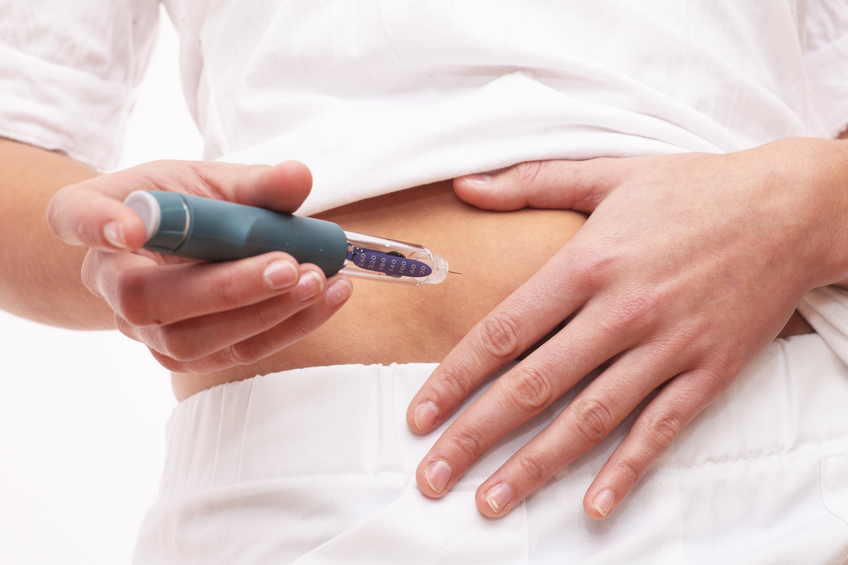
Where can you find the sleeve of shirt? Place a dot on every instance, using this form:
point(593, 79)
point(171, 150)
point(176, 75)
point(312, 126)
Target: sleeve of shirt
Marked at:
point(68, 70)
point(827, 65)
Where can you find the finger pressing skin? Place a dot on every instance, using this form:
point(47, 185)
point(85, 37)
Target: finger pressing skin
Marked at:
point(198, 337)
point(566, 185)
point(549, 297)
point(656, 427)
point(589, 418)
point(292, 329)
point(145, 293)
point(515, 398)
point(518, 322)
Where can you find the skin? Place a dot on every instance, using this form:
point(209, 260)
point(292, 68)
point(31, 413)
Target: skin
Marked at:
point(39, 275)
point(385, 323)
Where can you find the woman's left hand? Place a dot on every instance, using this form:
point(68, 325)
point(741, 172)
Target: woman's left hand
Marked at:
point(688, 266)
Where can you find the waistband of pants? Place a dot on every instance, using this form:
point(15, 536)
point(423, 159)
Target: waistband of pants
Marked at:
point(351, 420)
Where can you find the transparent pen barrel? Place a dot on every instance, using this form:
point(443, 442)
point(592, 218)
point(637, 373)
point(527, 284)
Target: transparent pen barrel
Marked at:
point(393, 261)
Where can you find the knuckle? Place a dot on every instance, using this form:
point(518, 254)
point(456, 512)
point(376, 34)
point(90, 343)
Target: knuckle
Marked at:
point(235, 356)
point(661, 428)
point(636, 310)
point(628, 472)
point(228, 288)
point(500, 337)
point(530, 389)
point(536, 178)
point(174, 344)
point(528, 171)
point(277, 312)
point(592, 420)
point(688, 337)
point(266, 318)
point(452, 385)
point(300, 326)
point(269, 313)
point(640, 307)
point(591, 263)
point(533, 468)
point(715, 378)
point(129, 296)
point(468, 442)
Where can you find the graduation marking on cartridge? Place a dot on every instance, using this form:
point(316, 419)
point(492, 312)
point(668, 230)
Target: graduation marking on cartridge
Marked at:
point(393, 263)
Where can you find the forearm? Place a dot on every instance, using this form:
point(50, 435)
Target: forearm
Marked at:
point(844, 136)
point(39, 274)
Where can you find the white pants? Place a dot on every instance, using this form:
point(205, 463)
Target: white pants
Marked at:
point(317, 466)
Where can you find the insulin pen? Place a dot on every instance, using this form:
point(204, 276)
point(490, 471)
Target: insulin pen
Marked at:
point(215, 230)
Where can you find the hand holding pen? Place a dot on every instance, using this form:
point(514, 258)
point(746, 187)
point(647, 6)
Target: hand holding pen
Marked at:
point(207, 229)
point(197, 317)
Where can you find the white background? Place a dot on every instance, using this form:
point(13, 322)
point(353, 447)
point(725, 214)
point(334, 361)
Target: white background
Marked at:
point(82, 414)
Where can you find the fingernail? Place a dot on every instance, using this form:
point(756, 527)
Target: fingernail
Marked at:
point(499, 496)
point(309, 285)
point(114, 234)
point(604, 501)
point(426, 415)
point(280, 274)
point(338, 292)
point(478, 178)
point(438, 475)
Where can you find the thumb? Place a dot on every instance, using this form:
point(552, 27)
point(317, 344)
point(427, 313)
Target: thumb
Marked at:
point(92, 213)
point(563, 185)
point(79, 215)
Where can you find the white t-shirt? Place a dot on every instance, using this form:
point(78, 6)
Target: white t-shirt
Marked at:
point(380, 96)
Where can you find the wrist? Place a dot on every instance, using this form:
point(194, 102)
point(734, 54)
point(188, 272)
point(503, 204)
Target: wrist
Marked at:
point(823, 178)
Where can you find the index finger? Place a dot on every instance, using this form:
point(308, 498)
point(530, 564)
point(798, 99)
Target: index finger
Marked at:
point(521, 320)
point(92, 213)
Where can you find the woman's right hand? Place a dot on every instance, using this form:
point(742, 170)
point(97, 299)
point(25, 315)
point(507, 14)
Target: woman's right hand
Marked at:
point(197, 317)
